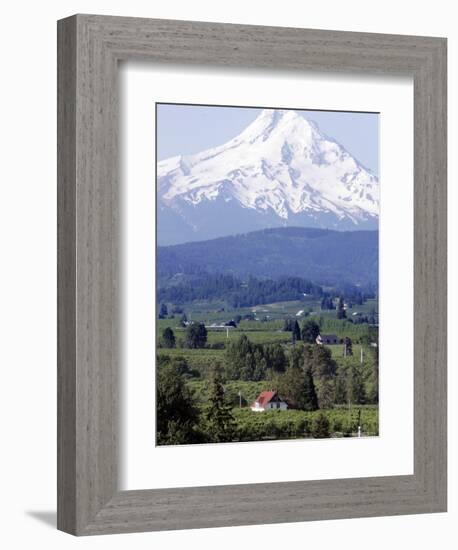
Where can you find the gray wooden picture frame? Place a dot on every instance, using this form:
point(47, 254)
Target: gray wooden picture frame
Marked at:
point(89, 49)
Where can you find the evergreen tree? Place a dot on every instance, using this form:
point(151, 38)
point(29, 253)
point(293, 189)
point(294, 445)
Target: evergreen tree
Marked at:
point(219, 422)
point(356, 392)
point(236, 353)
point(374, 376)
point(321, 362)
point(248, 366)
point(168, 338)
point(296, 332)
point(163, 312)
point(196, 336)
point(183, 320)
point(347, 347)
point(177, 416)
point(310, 331)
point(341, 313)
point(260, 365)
point(323, 369)
point(309, 399)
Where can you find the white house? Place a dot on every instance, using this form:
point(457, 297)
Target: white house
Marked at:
point(268, 400)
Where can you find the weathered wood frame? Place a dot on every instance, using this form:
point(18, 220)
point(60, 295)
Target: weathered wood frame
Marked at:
point(89, 48)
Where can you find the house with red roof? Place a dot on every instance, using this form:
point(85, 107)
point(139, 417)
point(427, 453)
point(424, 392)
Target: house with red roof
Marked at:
point(269, 400)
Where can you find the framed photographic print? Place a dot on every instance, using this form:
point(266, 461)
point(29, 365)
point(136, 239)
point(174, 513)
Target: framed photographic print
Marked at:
point(252, 275)
point(231, 326)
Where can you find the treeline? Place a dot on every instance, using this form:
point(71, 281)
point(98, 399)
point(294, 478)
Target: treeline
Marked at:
point(236, 292)
point(308, 376)
point(304, 370)
point(248, 361)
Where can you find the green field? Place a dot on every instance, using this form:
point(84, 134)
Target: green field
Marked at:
point(268, 341)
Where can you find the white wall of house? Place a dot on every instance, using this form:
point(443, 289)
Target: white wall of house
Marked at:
point(271, 406)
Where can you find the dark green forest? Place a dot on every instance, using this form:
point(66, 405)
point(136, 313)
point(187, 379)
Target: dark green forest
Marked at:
point(320, 255)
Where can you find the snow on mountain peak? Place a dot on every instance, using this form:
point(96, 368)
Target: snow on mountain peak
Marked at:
point(282, 164)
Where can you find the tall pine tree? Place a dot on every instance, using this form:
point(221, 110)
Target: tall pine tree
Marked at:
point(177, 415)
point(219, 422)
point(296, 332)
point(341, 314)
point(309, 399)
point(347, 347)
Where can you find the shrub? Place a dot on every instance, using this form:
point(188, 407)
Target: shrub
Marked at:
point(320, 426)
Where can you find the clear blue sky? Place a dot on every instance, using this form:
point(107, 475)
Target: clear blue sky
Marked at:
point(188, 129)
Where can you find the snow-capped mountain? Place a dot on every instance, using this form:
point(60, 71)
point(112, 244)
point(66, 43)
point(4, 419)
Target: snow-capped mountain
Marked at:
point(280, 171)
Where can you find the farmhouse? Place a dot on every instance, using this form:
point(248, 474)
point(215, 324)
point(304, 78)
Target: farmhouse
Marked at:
point(327, 339)
point(267, 400)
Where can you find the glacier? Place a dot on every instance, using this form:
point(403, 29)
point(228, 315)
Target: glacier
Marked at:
point(279, 171)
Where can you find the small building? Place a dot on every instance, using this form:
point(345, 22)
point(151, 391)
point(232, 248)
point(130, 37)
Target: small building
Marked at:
point(268, 400)
point(327, 339)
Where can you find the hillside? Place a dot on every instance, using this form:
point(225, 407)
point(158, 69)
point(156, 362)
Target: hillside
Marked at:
point(323, 256)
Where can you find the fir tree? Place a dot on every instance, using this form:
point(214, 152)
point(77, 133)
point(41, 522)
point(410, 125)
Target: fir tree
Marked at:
point(177, 416)
point(341, 314)
point(309, 399)
point(374, 376)
point(323, 369)
point(347, 347)
point(163, 311)
point(219, 422)
point(196, 336)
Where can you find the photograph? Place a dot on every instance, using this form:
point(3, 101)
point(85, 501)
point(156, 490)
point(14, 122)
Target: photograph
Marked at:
point(267, 274)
